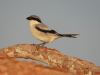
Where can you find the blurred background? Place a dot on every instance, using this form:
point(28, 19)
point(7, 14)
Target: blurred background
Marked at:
point(65, 16)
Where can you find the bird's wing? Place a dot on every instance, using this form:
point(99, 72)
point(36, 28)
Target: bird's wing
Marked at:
point(44, 28)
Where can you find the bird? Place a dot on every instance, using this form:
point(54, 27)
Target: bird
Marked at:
point(43, 33)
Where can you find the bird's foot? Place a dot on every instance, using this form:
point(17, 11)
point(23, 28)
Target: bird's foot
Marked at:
point(39, 45)
point(34, 44)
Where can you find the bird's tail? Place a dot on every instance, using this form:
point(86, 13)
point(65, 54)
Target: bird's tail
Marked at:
point(68, 35)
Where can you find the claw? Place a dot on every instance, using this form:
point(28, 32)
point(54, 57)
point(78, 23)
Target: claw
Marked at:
point(39, 45)
point(33, 44)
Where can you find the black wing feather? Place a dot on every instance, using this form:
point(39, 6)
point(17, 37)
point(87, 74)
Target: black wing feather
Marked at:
point(45, 31)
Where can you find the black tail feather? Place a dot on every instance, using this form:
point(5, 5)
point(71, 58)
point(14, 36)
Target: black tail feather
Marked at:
point(68, 35)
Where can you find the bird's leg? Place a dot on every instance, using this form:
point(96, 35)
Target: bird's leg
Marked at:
point(42, 44)
point(36, 44)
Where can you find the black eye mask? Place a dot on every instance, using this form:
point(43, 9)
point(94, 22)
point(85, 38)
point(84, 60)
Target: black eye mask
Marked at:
point(33, 18)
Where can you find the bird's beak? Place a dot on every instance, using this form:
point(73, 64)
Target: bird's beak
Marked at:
point(27, 18)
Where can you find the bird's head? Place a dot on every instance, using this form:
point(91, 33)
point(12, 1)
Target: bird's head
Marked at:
point(33, 20)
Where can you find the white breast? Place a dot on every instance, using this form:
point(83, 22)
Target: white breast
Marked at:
point(39, 35)
point(44, 37)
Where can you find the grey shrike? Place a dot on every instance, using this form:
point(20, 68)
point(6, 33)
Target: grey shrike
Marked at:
point(41, 32)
